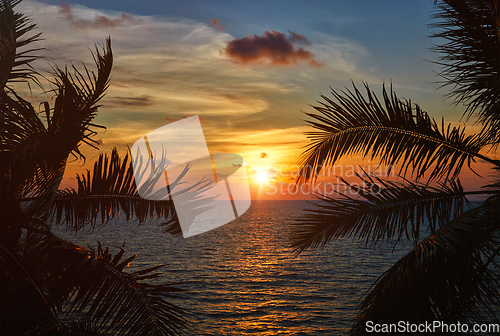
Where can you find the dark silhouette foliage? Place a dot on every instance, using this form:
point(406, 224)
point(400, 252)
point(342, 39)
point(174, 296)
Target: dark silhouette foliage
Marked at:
point(451, 272)
point(51, 286)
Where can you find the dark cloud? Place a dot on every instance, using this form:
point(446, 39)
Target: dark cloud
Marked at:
point(263, 155)
point(131, 101)
point(100, 21)
point(298, 38)
point(217, 25)
point(273, 47)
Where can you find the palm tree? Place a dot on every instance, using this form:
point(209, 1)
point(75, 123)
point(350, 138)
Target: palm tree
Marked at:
point(50, 285)
point(451, 272)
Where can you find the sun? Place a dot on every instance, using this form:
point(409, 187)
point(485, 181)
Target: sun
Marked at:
point(262, 177)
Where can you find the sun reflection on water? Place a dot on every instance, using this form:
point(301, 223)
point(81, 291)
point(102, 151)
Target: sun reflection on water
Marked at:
point(243, 279)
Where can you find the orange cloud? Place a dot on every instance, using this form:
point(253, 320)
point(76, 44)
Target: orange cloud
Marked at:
point(273, 48)
point(100, 21)
point(217, 25)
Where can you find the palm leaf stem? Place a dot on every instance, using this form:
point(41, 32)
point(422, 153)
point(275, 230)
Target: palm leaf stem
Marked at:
point(410, 133)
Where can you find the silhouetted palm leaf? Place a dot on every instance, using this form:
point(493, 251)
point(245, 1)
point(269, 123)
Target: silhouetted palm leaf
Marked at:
point(93, 286)
point(379, 211)
point(450, 276)
point(49, 284)
point(111, 188)
point(27, 139)
point(33, 156)
point(470, 58)
point(399, 133)
point(77, 98)
point(105, 191)
point(15, 64)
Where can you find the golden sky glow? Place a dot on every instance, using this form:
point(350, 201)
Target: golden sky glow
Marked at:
point(167, 68)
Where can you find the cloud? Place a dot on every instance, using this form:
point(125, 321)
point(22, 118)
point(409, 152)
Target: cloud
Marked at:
point(172, 66)
point(273, 48)
point(217, 25)
point(298, 38)
point(131, 101)
point(263, 155)
point(99, 21)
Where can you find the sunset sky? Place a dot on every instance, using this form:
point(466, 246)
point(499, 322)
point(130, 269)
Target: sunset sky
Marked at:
point(247, 69)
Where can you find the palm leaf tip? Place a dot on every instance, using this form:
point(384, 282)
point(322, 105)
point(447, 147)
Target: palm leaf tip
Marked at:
point(77, 102)
point(469, 57)
point(16, 33)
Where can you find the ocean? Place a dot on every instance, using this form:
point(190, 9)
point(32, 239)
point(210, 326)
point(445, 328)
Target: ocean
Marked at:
point(244, 279)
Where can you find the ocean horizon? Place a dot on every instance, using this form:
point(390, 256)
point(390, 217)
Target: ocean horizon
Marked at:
point(243, 278)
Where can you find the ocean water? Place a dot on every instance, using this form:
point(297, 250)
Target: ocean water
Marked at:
point(243, 279)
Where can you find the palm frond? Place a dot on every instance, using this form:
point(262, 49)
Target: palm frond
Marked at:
point(34, 156)
point(111, 188)
point(19, 121)
point(77, 101)
point(494, 185)
point(15, 29)
point(92, 285)
point(378, 211)
point(104, 192)
point(398, 134)
point(469, 57)
point(450, 276)
point(24, 136)
point(49, 285)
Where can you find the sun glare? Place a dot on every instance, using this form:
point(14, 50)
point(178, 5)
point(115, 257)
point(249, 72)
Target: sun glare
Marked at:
point(262, 177)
